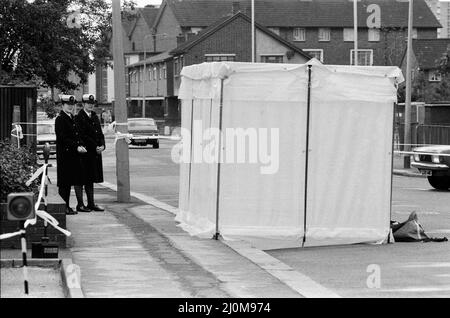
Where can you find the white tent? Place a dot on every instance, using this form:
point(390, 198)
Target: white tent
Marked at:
point(255, 181)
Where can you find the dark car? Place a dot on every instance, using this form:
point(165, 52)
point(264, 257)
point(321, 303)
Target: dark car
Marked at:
point(144, 131)
point(45, 131)
point(434, 162)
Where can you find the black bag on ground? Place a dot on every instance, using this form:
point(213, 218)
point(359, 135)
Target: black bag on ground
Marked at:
point(412, 231)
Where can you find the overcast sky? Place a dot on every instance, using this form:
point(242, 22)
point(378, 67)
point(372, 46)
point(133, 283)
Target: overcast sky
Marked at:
point(143, 3)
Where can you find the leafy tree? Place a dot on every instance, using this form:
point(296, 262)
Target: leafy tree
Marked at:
point(46, 40)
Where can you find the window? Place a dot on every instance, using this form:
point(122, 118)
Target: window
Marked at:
point(219, 57)
point(149, 73)
point(195, 30)
point(434, 76)
point(275, 30)
point(86, 87)
point(104, 84)
point(271, 58)
point(160, 72)
point(299, 34)
point(316, 53)
point(349, 35)
point(178, 65)
point(164, 71)
point(374, 35)
point(414, 33)
point(154, 73)
point(365, 57)
point(324, 34)
point(133, 46)
point(127, 60)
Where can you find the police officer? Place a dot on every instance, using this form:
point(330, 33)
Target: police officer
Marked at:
point(69, 150)
point(92, 136)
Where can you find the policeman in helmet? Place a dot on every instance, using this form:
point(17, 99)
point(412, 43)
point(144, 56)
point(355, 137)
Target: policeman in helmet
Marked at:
point(70, 148)
point(92, 136)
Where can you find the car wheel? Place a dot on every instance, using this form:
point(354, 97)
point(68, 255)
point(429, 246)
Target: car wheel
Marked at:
point(439, 182)
point(156, 145)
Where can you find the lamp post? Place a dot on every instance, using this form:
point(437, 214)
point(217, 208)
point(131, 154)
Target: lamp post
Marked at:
point(145, 65)
point(407, 139)
point(355, 30)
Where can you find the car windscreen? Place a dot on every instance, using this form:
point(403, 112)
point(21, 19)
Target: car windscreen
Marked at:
point(142, 125)
point(43, 129)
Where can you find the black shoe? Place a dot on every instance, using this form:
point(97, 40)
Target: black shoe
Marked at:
point(70, 211)
point(95, 208)
point(82, 208)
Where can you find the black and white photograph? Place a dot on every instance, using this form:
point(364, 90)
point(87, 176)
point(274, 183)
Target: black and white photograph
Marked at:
point(224, 157)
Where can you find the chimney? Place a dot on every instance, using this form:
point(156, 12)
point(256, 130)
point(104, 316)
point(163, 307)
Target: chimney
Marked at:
point(235, 7)
point(181, 39)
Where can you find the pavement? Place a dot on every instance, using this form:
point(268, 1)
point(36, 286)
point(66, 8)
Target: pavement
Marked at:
point(137, 250)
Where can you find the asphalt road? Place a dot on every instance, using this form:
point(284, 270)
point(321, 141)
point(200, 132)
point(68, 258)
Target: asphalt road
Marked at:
point(396, 270)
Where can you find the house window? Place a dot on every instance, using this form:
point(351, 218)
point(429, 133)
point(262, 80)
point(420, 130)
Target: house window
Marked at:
point(349, 34)
point(149, 73)
point(414, 33)
point(434, 76)
point(316, 53)
point(195, 30)
point(271, 58)
point(219, 57)
point(160, 72)
point(299, 34)
point(154, 73)
point(275, 30)
point(324, 34)
point(133, 46)
point(178, 65)
point(374, 35)
point(164, 71)
point(104, 84)
point(365, 57)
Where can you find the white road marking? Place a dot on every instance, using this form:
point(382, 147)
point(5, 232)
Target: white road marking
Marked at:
point(428, 265)
point(418, 289)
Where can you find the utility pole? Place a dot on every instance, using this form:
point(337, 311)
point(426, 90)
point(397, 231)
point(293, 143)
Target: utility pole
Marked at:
point(355, 30)
point(407, 139)
point(253, 31)
point(120, 107)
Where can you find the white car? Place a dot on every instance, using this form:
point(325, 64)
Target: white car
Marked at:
point(144, 132)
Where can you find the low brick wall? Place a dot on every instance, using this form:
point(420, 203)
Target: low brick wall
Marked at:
point(55, 206)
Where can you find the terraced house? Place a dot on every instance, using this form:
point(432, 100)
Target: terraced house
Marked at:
point(187, 32)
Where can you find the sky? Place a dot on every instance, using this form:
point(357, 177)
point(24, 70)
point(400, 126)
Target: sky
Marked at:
point(143, 3)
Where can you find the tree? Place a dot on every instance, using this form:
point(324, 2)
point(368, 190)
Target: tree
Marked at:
point(46, 40)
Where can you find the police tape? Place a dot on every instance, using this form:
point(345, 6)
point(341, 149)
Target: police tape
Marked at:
point(120, 136)
point(9, 235)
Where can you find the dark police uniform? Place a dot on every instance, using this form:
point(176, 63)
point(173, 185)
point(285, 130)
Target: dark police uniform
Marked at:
point(92, 136)
point(68, 159)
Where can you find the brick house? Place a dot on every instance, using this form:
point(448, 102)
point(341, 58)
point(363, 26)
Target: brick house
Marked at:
point(228, 39)
point(324, 28)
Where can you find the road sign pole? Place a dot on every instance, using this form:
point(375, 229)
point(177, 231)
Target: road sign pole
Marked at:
point(120, 107)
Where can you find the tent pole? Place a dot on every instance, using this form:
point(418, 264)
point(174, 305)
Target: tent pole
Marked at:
point(308, 108)
point(219, 155)
point(190, 154)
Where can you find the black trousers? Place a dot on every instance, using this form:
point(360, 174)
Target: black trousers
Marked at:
point(64, 192)
point(89, 188)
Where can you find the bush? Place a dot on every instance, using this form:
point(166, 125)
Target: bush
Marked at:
point(16, 167)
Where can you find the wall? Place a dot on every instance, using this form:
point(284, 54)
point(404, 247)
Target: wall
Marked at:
point(169, 25)
point(265, 44)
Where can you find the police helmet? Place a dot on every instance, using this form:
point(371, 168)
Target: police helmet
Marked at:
point(88, 98)
point(68, 99)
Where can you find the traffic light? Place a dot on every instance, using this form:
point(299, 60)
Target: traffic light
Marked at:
point(20, 206)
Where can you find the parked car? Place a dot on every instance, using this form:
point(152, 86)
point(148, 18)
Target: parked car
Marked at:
point(45, 131)
point(144, 131)
point(431, 162)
